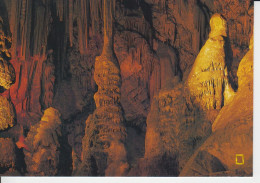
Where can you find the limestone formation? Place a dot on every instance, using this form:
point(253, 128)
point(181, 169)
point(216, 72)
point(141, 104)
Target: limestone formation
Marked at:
point(169, 66)
point(182, 25)
point(175, 128)
point(7, 78)
point(135, 68)
point(245, 69)
point(7, 158)
point(7, 73)
point(7, 114)
point(42, 156)
point(104, 150)
point(240, 18)
point(208, 80)
point(231, 144)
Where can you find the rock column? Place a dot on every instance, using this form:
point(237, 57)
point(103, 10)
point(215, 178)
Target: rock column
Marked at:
point(103, 145)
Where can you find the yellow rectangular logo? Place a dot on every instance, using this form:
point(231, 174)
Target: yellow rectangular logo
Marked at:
point(239, 159)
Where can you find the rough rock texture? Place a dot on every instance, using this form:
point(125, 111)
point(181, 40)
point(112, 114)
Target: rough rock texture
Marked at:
point(7, 158)
point(175, 128)
point(181, 24)
point(208, 80)
point(7, 78)
point(232, 133)
point(136, 69)
point(7, 73)
point(180, 118)
point(7, 114)
point(240, 17)
point(42, 157)
point(104, 150)
point(33, 91)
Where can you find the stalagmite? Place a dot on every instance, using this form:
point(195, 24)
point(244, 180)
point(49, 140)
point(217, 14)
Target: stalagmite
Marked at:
point(104, 151)
point(208, 80)
point(42, 155)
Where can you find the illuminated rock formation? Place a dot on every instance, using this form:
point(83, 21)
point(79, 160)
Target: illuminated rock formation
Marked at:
point(7, 113)
point(231, 144)
point(7, 73)
point(104, 151)
point(7, 78)
point(175, 128)
point(177, 124)
point(240, 18)
point(208, 80)
point(7, 158)
point(245, 69)
point(42, 156)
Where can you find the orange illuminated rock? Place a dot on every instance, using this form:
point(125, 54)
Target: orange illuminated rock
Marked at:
point(7, 73)
point(182, 25)
point(7, 113)
point(175, 128)
point(208, 80)
point(42, 155)
point(177, 124)
point(7, 158)
point(245, 69)
point(230, 148)
point(136, 68)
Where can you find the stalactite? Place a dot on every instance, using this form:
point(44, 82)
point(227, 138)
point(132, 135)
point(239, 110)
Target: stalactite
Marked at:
point(40, 33)
point(108, 27)
point(83, 24)
point(95, 14)
point(60, 9)
point(13, 27)
point(71, 22)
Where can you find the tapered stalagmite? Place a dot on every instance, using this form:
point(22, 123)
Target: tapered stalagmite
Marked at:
point(208, 80)
point(43, 141)
point(103, 145)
